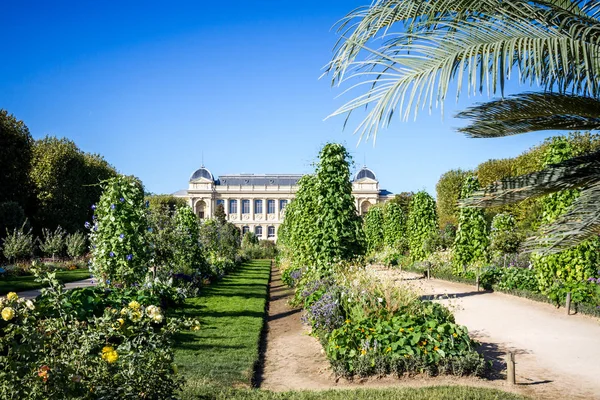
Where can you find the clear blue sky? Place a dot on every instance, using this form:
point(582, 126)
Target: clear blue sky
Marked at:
point(153, 85)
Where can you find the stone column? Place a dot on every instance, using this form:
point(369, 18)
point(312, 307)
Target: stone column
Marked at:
point(239, 210)
point(265, 207)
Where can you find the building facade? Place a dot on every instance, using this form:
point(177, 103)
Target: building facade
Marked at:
point(256, 203)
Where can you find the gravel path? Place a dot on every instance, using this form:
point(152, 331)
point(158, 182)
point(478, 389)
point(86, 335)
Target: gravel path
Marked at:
point(30, 294)
point(556, 353)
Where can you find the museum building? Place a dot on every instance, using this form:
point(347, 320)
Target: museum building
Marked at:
point(256, 203)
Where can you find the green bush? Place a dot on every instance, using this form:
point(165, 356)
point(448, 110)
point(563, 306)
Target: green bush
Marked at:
point(447, 194)
point(76, 244)
point(394, 226)
point(188, 254)
point(120, 251)
point(471, 240)
point(57, 351)
point(505, 239)
point(374, 228)
point(53, 243)
point(18, 245)
point(422, 222)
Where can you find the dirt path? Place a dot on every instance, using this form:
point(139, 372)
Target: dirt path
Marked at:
point(293, 360)
point(556, 353)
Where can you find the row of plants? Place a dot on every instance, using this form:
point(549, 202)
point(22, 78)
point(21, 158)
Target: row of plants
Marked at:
point(366, 326)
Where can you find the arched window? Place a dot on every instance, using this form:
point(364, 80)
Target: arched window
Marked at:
point(258, 231)
point(271, 232)
point(245, 230)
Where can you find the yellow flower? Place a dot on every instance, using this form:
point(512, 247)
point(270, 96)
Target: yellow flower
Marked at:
point(363, 352)
point(196, 327)
point(454, 334)
point(8, 313)
point(406, 356)
point(411, 329)
point(12, 296)
point(348, 321)
point(388, 349)
point(109, 354)
point(134, 305)
point(401, 329)
point(425, 351)
point(136, 316)
point(436, 348)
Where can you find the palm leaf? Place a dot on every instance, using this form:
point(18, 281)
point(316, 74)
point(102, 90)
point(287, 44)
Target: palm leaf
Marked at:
point(531, 112)
point(574, 173)
point(580, 223)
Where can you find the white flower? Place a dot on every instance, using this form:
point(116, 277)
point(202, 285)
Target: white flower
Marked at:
point(29, 304)
point(157, 318)
point(379, 299)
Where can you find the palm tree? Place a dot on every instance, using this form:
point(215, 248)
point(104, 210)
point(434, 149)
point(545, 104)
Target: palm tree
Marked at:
point(408, 52)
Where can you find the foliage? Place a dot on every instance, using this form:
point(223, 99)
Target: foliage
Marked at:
point(18, 245)
point(188, 255)
point(448, 190)
point(336, 234)
point(422, 221)
point(76, 244)
point(160, 201)
point(118, 236)
point(512, 278)
point(472, 239)
point(66, 183)
point(51, 352)
point(262, 250)
point(53, 243)
point(564, 271)
point(394, 226)
point(15, 161)
point(374, 228)
point(249, 239)
point(220, 215)
point(12, 216)
point(403, 200)
point(504, 237)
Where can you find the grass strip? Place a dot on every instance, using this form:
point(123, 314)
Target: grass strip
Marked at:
point(27, 282)
point(425, 393)
point(225, 351)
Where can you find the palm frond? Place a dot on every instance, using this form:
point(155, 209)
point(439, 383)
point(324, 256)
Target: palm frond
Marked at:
point(580, 223)
point(528, 112)
point(576, 172)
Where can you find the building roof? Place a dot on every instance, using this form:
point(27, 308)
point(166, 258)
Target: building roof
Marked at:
point(365, 173)
point(260, 180)
point(202, 172)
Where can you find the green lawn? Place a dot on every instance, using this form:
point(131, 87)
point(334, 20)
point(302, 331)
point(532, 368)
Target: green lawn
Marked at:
point(224, 351)
point(426, 393)
point(22, 283)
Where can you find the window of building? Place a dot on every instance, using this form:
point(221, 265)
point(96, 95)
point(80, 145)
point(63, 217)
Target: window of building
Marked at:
point(271, 231)
point(270, 206)
point(245, 206)
point(258, 231)
point(245, 229)
point(232, 206)
point(282, 204)
point(220, 202)
point(258, 207)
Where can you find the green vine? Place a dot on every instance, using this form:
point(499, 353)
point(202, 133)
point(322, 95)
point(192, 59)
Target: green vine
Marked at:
point(422, 223)
point(471, 240)
point(374, 228)
point(394, 226)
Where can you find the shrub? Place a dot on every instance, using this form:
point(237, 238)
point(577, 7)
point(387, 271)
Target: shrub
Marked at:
point(120, 251)
point(471, 240)
point(422, 222)
point(57, 351)
point(76, 244)
point(53, 243)
point(249, 239)
point(505, 239)
point(394, 226)
point(374, 228)
point(447, 195)
point(18, 245)
point(188, 255)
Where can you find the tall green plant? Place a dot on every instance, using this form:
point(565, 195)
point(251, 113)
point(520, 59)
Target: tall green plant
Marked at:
point(18, 244)
point(374, 228)
point(504, 237)
point(566, 270)
point(394, 225)
point(188, 253)
point(53, 243)
point(119, 235)
point(472, 238)
point(422, 223)
point(76, 244)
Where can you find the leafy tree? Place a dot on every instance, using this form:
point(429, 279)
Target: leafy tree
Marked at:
point(165, 200)
point(394, 226)
point(18, 244)
point(403, 200)
point(67, 183)
point(76, 244)
point(119, 235)
point(374, 228)
point(189, 257)
point(15, 160)
point(472, 235)
point(162, 236)
point(448, 192)
point(422, 223)
point(430, 44)
point(249, 239)
point(220, 215)
point(53, 243)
